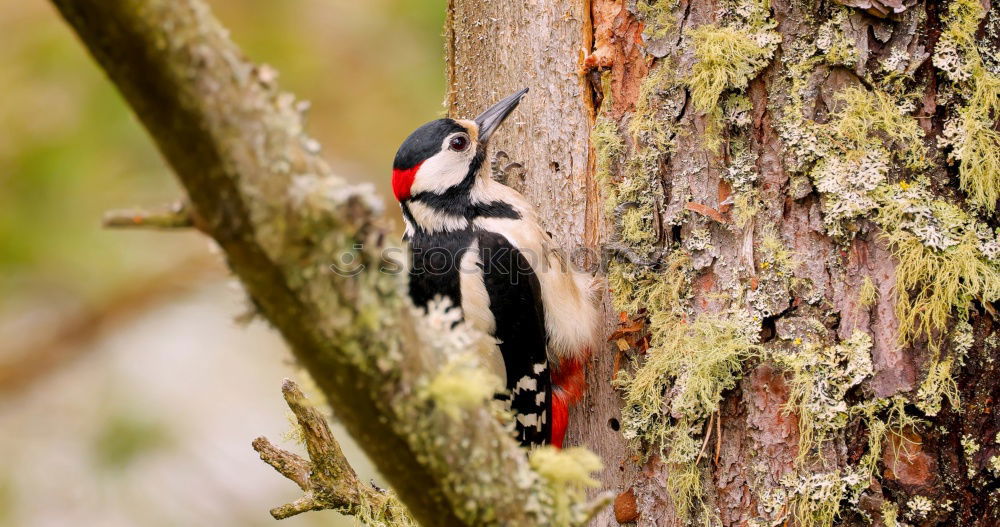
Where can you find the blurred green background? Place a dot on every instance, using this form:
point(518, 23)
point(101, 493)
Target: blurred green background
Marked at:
point(128, 393)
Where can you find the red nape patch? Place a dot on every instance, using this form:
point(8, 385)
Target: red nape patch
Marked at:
point(402, 180)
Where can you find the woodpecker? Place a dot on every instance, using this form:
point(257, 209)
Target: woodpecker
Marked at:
point(478, 243)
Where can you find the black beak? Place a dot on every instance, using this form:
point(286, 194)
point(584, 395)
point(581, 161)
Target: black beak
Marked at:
point(490, 120)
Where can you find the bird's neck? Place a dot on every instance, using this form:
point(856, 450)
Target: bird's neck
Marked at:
point(460, 206)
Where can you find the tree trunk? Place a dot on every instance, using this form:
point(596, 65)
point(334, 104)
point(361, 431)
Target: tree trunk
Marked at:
point(798, 204)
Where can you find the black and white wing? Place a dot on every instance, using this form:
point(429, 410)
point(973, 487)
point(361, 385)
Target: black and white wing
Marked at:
point(516, 304)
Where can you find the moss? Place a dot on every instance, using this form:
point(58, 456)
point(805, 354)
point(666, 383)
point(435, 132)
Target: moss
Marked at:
point(565, 476)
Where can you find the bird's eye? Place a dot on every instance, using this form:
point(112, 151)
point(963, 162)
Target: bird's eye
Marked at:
point(459, 143)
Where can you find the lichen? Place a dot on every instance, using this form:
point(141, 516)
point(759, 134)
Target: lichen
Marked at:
point(971, 132)
point(727, 58)
point(868, 293)
point(694, 363)
point(817, 497)
point(822, 374)
point(565, 475)
point(775, 269)
point(933, 284)
point(662, 293)
point(837, 48)
point(994, 466)
point(938, 384)
point(919, 507)
point(657, 17)
point(970, 447)
point(890, 514)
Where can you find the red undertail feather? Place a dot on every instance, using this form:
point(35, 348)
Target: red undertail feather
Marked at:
point(569, 381)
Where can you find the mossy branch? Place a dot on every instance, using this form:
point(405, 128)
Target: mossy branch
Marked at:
point(326, 477)
point(283, 219)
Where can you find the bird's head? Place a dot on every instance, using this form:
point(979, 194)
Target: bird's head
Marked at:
point(445, 155)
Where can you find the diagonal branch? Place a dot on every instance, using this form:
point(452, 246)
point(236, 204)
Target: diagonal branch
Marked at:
point(285, 222)
point(326, 477)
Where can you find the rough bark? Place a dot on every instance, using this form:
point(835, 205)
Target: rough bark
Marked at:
point(289, 228)
point(761, 153)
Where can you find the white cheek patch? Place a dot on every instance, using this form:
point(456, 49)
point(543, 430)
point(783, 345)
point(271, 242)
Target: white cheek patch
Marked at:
point(442, 171)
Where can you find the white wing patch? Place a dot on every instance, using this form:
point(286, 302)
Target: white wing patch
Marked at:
point(572, 322)
point(526, 383)
point(535, 420)
point(476, 307)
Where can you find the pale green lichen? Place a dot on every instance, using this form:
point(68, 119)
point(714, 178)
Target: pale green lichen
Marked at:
point(971, 133)
point(462, 385)
point(837, 48)
point(822, 374)
point(869, 135)
point(462, 382)
point(970, 447)
point(868, 293)
point(387, 512)
point(631, 193)
point(933, 284)
point(939, 384)
point(728, 57)
point(637, 289)
point(817, 497)
point(657, 17)
point(775, 269)
point(994, 466)
point(694, 363)
point(566, 475)
point(890, 514)
point(919, 507)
